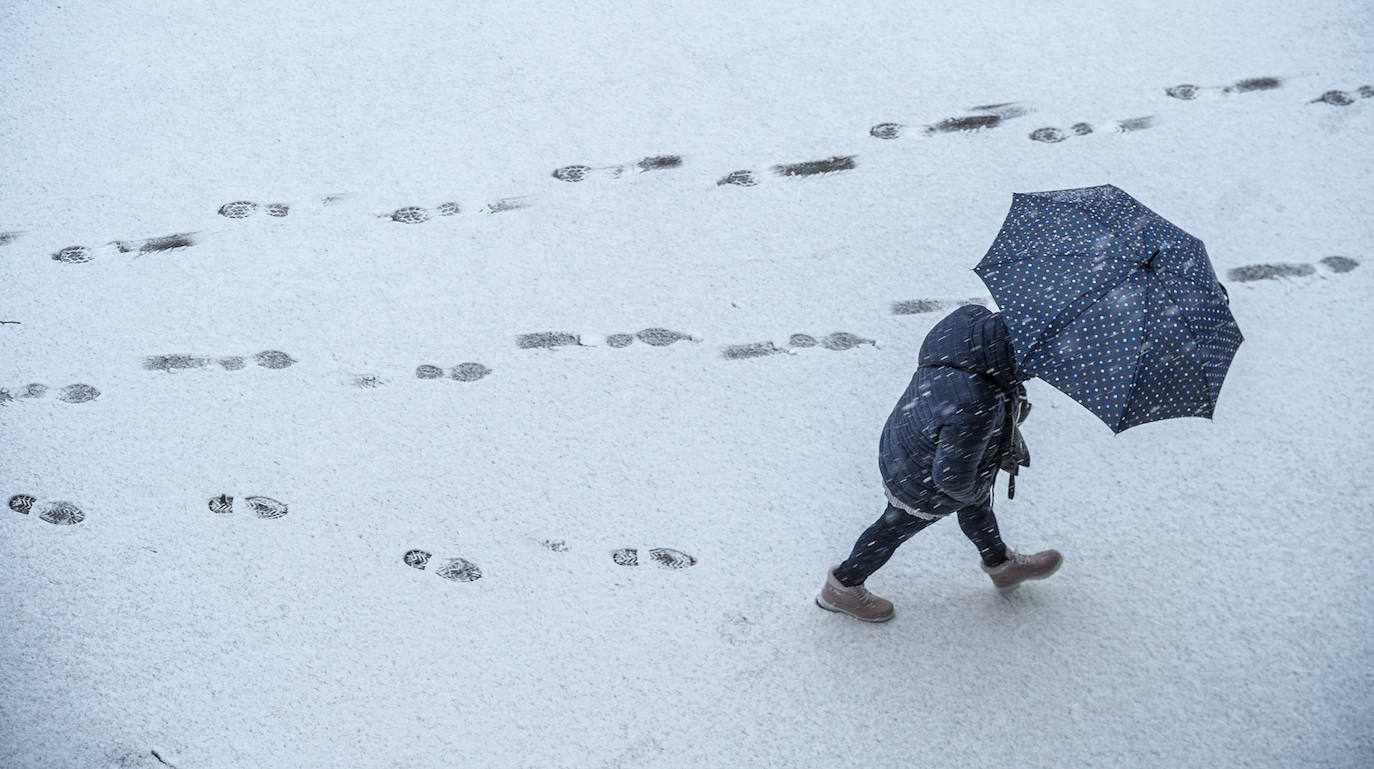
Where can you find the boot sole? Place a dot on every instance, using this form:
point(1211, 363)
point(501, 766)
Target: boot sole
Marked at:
point(838, 610)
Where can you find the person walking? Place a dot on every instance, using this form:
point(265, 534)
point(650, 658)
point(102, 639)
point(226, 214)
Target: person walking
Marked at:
point(954, 427)
point(1101, 298)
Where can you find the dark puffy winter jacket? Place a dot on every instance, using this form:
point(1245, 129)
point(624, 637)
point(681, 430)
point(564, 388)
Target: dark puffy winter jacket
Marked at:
point(955, 425)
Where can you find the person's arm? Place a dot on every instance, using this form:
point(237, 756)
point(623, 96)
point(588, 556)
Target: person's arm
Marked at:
point(958, 449)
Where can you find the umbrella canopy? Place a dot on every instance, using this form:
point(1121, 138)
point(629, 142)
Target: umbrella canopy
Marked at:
point(1112, 304)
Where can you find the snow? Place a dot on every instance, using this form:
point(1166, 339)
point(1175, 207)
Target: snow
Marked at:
point(1214, 608)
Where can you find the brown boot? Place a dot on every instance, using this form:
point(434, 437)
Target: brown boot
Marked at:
point(1019, 567)
point(855, 601)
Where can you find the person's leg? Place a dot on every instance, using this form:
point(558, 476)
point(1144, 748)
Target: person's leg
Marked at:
point(980, 526)
point(1006, 567)
point(876, 545)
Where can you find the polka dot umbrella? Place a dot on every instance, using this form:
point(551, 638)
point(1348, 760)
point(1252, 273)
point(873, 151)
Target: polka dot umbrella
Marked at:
point(1112, 304)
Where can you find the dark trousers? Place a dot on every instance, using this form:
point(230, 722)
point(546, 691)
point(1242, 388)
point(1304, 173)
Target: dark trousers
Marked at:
point(896, 526)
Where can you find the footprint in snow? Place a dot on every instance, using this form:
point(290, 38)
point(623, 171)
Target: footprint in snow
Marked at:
point(73, 255)
point(57, 512)
point(82, 254)
point(547, 340)
point(1189, 92)
point(242, 209)
point(664, 557)
point(1339, 263)
point(921, 306)
point(1052, 135)
point(151, 245)
point(743, 178)
point(577, 173)
point(505, 204)
point(1344, 98)
point(1275, 270)
point(840, 340)
point(367, 381)
point(271, 359)
point(463, 372)
point(987, 116)
point(750, 350)
point(737, 628)
point(419, 214)
point(654, 337)
point(73, 393)
point(451, 569)
point(830, 165)
point(262, 507)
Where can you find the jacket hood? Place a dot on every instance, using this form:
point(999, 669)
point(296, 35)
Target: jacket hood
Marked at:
point(976, 339)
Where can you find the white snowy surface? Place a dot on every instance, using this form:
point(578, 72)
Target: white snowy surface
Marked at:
point(1215, 604)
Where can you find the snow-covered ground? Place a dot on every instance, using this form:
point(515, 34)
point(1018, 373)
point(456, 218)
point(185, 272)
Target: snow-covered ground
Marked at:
point(1215, 605)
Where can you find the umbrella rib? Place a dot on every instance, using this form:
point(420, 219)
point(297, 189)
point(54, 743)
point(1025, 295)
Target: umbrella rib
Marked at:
point(1206, 385)
point(1135, 375)
point(1135, 378)
point(1186, 327)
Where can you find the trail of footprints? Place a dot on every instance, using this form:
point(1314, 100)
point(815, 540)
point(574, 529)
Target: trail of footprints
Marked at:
point(458, 569)
point(983, 117)
point(655, 337)
point(1243, 274)
point(472, 371)
point(989, 116)
point(453, 569)
point(469, 371)
point(1334, 97)
point(662, 337)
